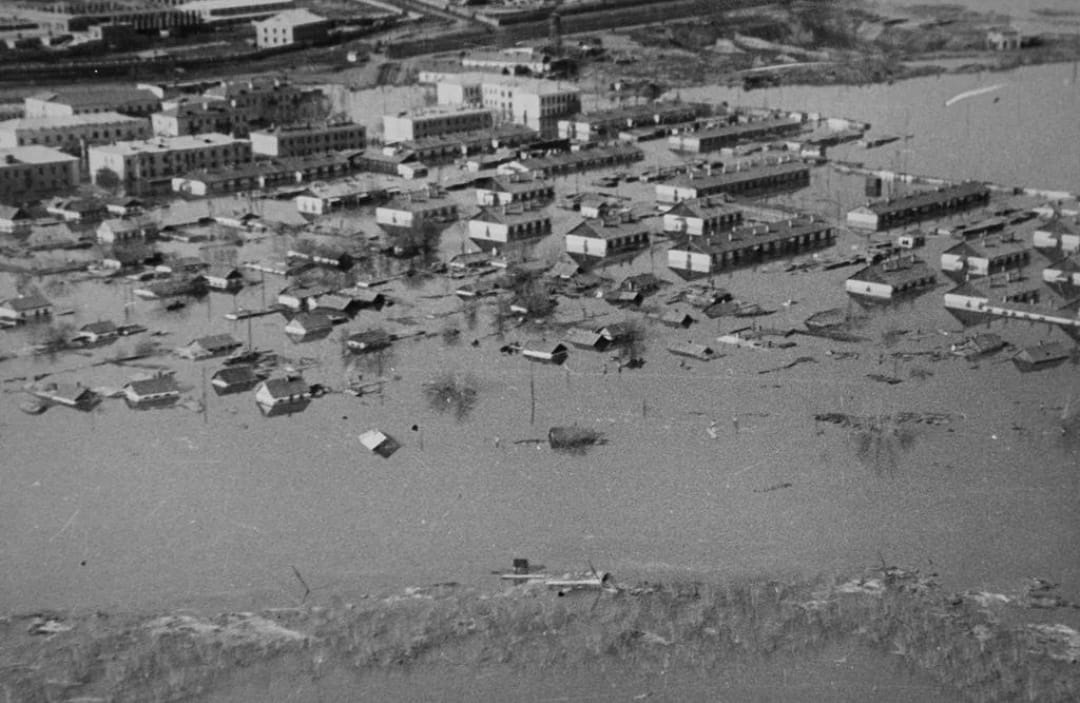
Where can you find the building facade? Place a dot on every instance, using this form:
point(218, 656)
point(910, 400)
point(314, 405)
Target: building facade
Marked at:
point(297, 26)
point(199, 118)
point(149, 165)
point(134, 102)
point(432, 123)
point(304, 140)
point(752, 180)
point(34, 171)
point(71, 133)
point(498, 227)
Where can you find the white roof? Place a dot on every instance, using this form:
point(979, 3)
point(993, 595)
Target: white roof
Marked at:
point(293, 18)
point(33, 154)
point(186, 142)
point(372, 439)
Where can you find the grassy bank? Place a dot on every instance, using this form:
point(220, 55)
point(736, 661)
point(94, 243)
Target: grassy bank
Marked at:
point(981, 645)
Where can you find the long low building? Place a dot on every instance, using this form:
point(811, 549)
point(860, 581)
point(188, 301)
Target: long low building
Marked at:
point(755, 179)
point(575, 161)
point(71, 133)
point(606, 124)
point(304, 140)
point(435, 122)
point(978, 302)
point(889, 280)
point(694, 256)
point(263, 174)
point(729, 135)
point(886, 214)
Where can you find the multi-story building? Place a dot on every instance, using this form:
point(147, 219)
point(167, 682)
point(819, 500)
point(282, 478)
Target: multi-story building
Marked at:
point(268, 101)
point(608, 237)
point(134, 102)
point(702, 217)
point(537, 104)
point(199, 118)
point(575, 161)
point(752, 180)
point(985, 256)
point(607, 124)
point(27, 171)
point(504, 190)
point(886, 214)
point(292, 27)
point(494, 228)
point(76, 16)
point(146, 166)
point(691, 257)
point(433, 122)
point(415, 210)
point(303, 140)
point(70, 133)
point(729, 135)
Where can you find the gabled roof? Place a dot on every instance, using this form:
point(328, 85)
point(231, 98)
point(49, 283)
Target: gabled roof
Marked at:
point(608, 229)
point(216, 342)
point(499, 216)
point(31, 301)
point(285, 387)
point(293, 18)
point(99, 327)
point(122, 224)
point(941, 195)
point(155, 386)
point(238, 374)
point(312, 321)
point(223, 271)
point(13, 212)
point(895, 274)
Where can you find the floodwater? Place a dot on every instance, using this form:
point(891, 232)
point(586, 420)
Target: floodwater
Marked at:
point(171, 507)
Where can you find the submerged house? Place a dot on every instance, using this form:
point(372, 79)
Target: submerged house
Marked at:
point(586, 339)
point(282, 396)
point(368, 341)
point(306, 326)
point(886, 214)
point(209, 347)
point(72, 395)
point(159, 391)
point(25, 308)
point(985, 256)
point(893, 278)
point(1042, 356)
point(607, 238)
point(695, 256)
point(234, 379)
point(545, 352)
point(95, 333)
point(700, 352)
point(224, 277)
point(1059, 234)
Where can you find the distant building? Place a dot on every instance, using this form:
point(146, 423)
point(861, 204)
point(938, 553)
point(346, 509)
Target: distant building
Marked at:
point(506, 190)
point(754, 179)
point(157, 391)
point(729, 135)
point(147, 166)
point(1003, 39)
point(305, 140)
point(499, 227)
point(694, 256)
point(267, 101)
point(71, 133)
point(15, 220)
point(703, 216)
point(1064, 271)
point(568, 163)
point(277, 396)
point(126, 230)
point(435, 122)
point(416, 210)
point(891, 279)
point(35, 171)
point(25, 308)
point(607, 124)
point(82, 210)
point(133, 102)
point(886, 214)
point(208, 347)
point(985, 256)
point(235, 12)
point(199, 118)
point(1057, 234)
point(298, 26)
point(535, 103)
point(605, 238)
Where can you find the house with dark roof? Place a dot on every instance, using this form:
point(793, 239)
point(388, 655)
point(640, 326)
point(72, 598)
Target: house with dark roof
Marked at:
point(985, 256)
point(747, 245)
point(234, 379)
point(702, 216)
point(891, 279)
point(495, 228)
point(507, 190)
point(209, 347)
point(586, 339)
point(96, 333)
point(917, 207)
point(282, 396)
point(159, 391)
point(15, 220)
point(77, 209)
point(72, 395)
point(26, 308)
point(368, 341)
point(1057, 234)
point(606, 238)
point(1042, 356)
point(224, 277)
point(124, 230)
point(306, 326)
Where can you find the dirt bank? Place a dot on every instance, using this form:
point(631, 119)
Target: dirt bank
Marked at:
point(709, 636)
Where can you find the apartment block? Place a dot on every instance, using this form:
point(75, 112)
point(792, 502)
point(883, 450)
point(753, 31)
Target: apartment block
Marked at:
point(70, 133)
point(34, 171)
point(149, 165)
point(430, 123)
point(304, 140)
point(537, 104)
point(134, 102)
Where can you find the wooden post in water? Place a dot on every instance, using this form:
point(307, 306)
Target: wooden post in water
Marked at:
point(532, 394)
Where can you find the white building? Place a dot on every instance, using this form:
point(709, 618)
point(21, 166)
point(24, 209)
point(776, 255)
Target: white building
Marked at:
point(27, 171)
point(536, 103)
point(504, 190)
point(415, 210)
point(148, 165)
point(297, 26)
point(80, 101)
point(304, 140)
point(71, 133)
point(1058, 233)
point(497, 227)
point(434, 122)
point(603, 238)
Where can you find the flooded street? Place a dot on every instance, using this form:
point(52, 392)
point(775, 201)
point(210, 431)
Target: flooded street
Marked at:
point(173, 507)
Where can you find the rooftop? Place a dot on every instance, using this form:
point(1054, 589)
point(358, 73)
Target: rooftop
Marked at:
point(509, 217)
point(294, 18)
point(896, 271)
point(96, 95)
point(61, 121)
point(33, 154)
point(611, 228)
point(752, 235)
point(743, 128)
point(917, 200)
point(753, 171)
point(159, 145)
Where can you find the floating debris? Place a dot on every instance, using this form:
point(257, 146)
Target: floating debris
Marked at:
point(774, 487)
point(573, 438)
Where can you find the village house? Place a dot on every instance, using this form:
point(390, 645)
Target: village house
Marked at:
point(504, 190)
point(299, 298)
point(606, 238)
point(416, 209)
point(349, 301)
point(1003, 39)
point(124, 206)
point(1057, 233)
point(208, 347)
point(985, 256)
point(887, 214)
point(368, 341)
point(494, 228)
point(123, 231)
point(158, 391)
point(703, 216)
point(224, 277)
point(306, 326)
point(325, 198)
point(691, 257)
point(96, 333)
point(150, 165)
point(280, 396)
point(25, 308)
point(588, 340)
point(1042, 356)
point(71, 395)
point(182, 265)
point(234, 379)
point(893, 278)
point(80, 210)
point(754, 179)
point(980, 299)
point(729, 135)
point(201, 117)
point(545, 352)
point(15, 220)
point(392, 160)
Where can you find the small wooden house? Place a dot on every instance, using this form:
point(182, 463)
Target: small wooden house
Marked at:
point(1042, 356)
point(587, 339)
point(208, 347)
point(694, 351)
point(380, 443)
point(159, 391)
point(282, 396)
point(306, 326)
point(368, 341)
point(26, 308)
point(96, 333)
point(545, 352)
point(234, 379)
point(224, 277)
